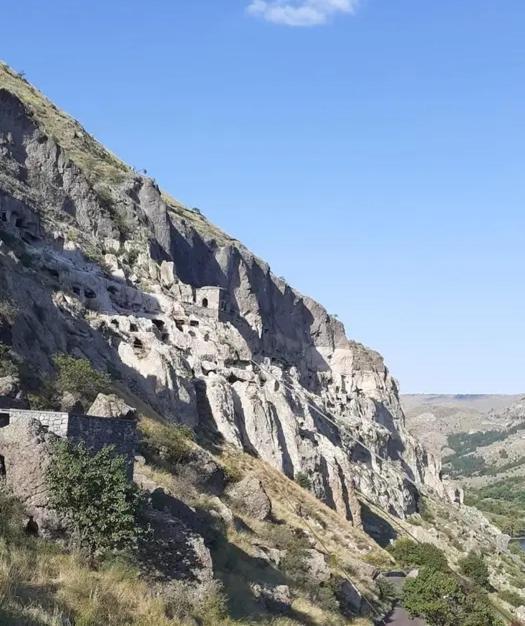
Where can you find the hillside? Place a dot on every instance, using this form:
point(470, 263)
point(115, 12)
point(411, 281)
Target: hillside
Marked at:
point(273, 450)
point(483, 442)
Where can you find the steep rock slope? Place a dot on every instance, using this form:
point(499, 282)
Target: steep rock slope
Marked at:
point(98, 262)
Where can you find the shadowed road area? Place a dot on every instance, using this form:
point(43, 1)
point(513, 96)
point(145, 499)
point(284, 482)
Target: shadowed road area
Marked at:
point(399, 617)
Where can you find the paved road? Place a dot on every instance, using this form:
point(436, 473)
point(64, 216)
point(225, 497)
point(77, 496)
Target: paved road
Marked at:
point(399, 617)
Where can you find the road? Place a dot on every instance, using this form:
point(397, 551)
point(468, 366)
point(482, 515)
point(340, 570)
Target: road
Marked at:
point(399, 617)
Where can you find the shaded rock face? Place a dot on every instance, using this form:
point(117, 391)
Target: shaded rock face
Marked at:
point(174, 551)
point(25, 452)
point(101, 264)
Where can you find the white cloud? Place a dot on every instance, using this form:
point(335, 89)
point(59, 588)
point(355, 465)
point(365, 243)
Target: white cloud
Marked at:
point(300, 12)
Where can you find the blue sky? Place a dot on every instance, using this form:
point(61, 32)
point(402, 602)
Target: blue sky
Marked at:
point(373, 151)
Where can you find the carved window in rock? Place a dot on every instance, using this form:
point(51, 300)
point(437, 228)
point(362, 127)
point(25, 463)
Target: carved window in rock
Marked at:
point(205, 303)
point(159, 324)
point(2, 467)
point(4, 419)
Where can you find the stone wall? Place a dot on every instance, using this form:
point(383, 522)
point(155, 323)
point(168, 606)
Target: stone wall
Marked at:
point(55, 422)
point(95, 432)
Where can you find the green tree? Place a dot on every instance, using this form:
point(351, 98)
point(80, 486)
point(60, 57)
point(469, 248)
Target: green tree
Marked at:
point(409, 553)
point(475, 568)
point(440, 598)
point(78, 376)
point(436, 596)
point(93, 494)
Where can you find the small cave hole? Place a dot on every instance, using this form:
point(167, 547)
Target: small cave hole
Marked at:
point(112, 289)
point(133, 328)
point(32, 527)
point(194, 323)
point(205, 303)
point(2, 467)
point(4, 420)
point(180, 325)
point(89, 293)
point(159, 324)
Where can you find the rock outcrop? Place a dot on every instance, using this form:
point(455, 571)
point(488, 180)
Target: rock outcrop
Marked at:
point(25, 452)
point(99, 263)
point(251, 496)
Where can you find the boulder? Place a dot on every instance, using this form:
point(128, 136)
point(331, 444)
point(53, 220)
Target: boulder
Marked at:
point(173, 551)
point(8, 386)
point(26, 449)
point(111, 406)
point(348, 596)
point(318, 570)
point(250, 497)
point(69, 403)
point(274, 599)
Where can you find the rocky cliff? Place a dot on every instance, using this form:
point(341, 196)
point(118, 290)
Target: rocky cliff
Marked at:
point(96, 261)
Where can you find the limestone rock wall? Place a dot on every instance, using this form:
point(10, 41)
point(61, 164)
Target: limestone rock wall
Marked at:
point(109, 268)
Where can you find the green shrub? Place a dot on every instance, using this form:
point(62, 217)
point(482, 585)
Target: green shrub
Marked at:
point(302, 479)
point(439, 597)
point(387, 590)
point(78, 376)
point(93, 493)
point(8, 366)
point(409, 553)
point(511, 597)
point(475, 568)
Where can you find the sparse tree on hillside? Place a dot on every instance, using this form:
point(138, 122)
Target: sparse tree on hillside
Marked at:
point(95, 497)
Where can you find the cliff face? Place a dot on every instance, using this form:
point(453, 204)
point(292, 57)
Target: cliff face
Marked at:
point(99, 263)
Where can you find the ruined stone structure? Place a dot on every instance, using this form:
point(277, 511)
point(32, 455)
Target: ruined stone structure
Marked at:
point(95, 432)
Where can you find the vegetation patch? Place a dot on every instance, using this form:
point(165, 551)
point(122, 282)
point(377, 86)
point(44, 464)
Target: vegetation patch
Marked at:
point(94, 495)
point(165, 445)
point(411, 554)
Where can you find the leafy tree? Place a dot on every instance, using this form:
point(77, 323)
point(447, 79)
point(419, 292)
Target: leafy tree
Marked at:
point(408, 552)
point(434, 595)
point(78, 376)
point(440, 598)
point(92, 492)
point(475, 568)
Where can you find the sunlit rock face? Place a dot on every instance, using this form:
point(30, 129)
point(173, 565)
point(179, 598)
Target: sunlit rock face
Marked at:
point(100, 264)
